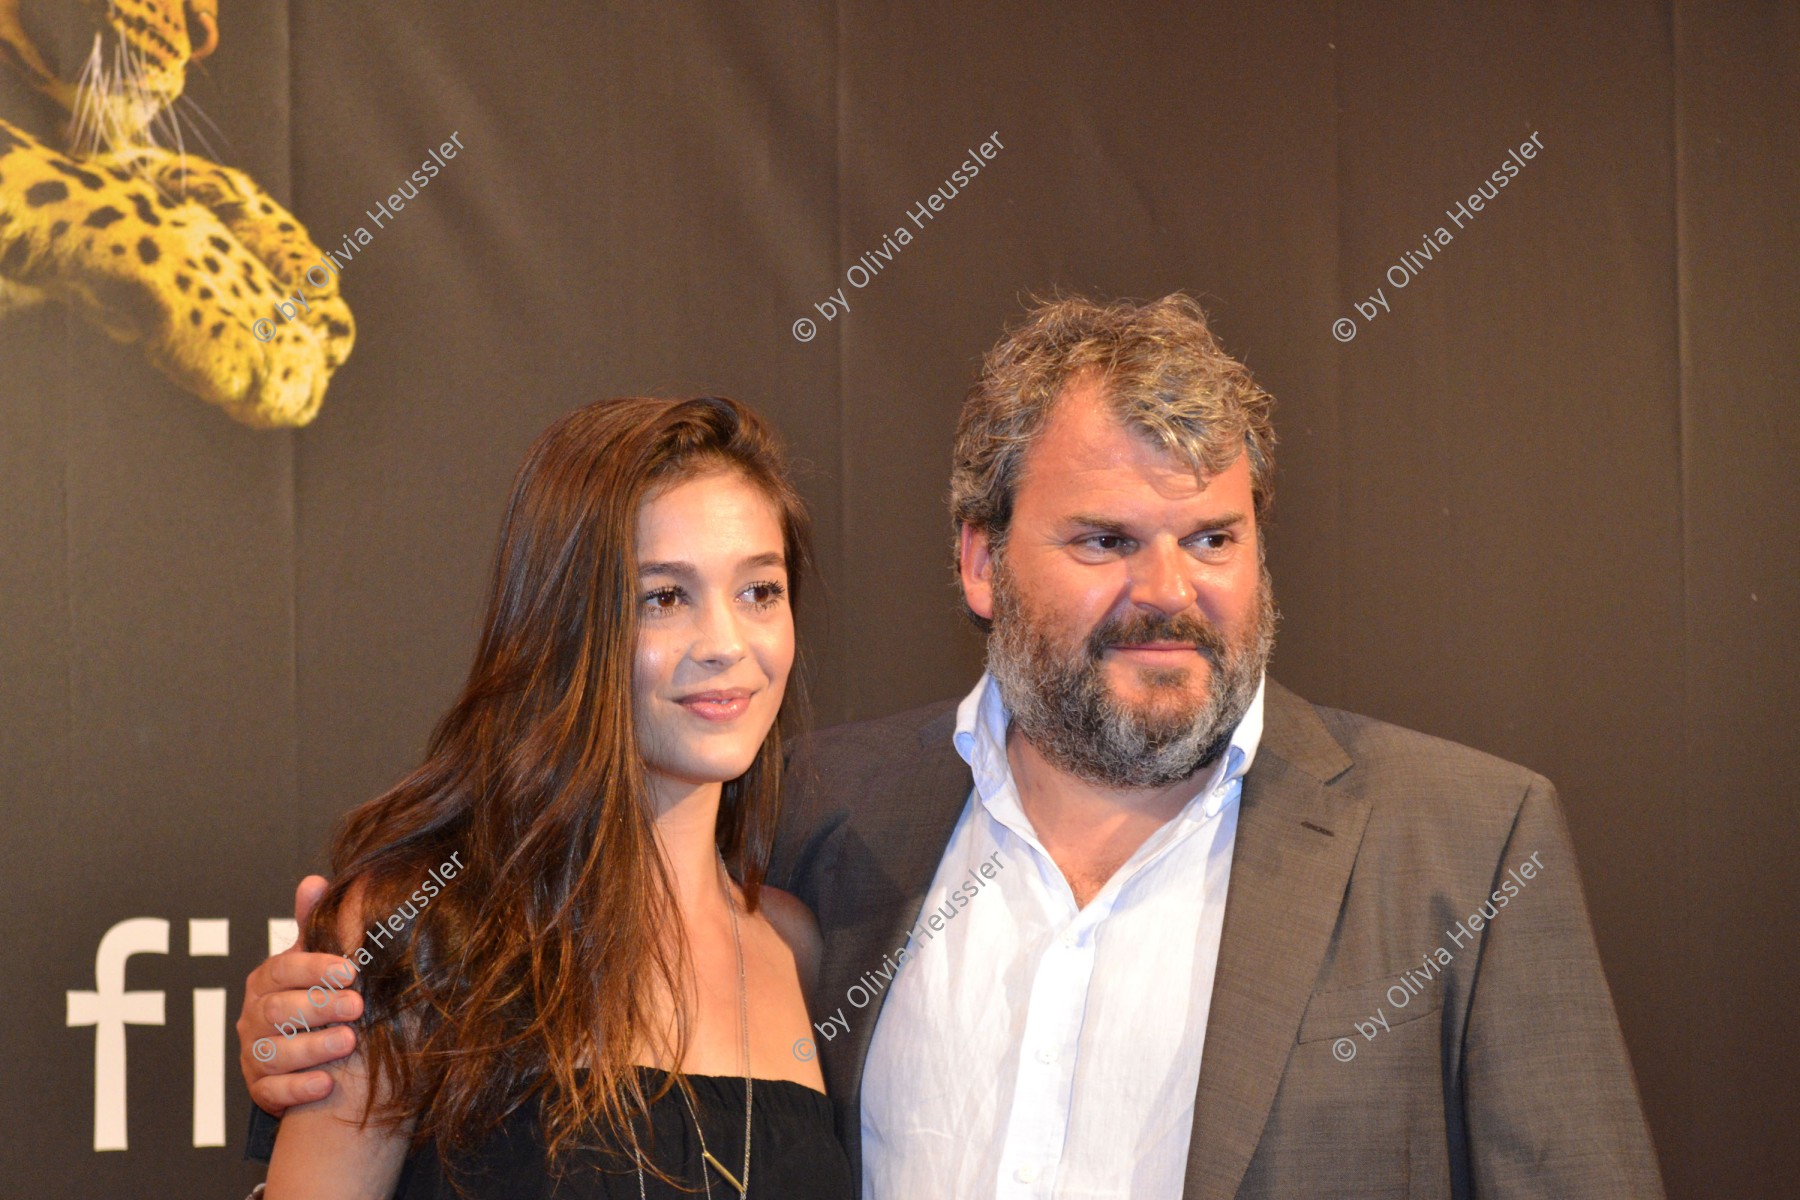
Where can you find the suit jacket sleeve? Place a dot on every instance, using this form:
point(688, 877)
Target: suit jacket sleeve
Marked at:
point(1551, 1107)
point(259, 1142)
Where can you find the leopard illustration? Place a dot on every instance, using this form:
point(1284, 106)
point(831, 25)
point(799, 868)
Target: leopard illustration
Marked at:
point(150, 243)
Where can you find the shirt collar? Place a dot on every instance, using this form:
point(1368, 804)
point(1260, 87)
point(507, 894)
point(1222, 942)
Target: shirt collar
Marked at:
point(980, 738)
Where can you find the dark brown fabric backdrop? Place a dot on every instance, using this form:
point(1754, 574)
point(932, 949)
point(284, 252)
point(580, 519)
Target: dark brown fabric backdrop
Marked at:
point(1541, 504)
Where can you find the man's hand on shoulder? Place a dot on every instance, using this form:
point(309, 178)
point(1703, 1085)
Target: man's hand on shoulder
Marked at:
point(282, 1035)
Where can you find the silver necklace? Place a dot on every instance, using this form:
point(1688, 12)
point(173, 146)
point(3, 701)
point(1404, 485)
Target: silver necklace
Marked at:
point(706, 1156)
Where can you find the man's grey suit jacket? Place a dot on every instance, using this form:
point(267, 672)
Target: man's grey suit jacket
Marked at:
point(1360, 847)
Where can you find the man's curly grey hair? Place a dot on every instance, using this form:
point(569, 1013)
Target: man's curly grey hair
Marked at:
point(1166, 376)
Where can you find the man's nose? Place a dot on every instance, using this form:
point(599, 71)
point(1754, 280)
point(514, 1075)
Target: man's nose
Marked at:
point(1159, 578)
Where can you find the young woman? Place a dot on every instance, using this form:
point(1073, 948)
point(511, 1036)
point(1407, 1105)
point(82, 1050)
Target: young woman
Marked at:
point(595, 996)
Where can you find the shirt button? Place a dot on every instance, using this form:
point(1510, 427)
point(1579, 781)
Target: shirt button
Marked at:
point(1068, 939)
point(1027, 1174)
point(1046, 1055)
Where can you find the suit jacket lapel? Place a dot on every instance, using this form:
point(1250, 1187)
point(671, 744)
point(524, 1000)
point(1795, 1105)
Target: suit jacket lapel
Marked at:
point(908, 854)
point(1296, 844)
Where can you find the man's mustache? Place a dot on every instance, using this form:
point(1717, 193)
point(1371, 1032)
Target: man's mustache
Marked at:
point(1138, 628)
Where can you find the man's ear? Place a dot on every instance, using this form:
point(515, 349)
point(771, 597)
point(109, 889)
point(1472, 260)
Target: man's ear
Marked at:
point(975, 563)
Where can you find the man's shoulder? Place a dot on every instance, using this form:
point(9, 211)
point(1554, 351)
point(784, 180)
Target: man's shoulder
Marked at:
point(877, 769)
point(913, 733)
point(1399, 767)
point(895, 783)
point(1372, 740)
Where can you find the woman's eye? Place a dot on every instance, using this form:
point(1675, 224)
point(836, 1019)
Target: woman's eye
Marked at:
point(766, 594)
point(663, 600)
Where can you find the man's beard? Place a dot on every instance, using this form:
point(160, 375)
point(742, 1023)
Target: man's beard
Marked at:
point(1060, 701)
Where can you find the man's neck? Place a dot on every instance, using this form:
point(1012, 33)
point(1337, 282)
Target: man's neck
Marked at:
point(1089, 830)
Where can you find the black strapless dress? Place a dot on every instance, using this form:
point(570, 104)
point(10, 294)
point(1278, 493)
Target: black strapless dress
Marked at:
point(794, 1152)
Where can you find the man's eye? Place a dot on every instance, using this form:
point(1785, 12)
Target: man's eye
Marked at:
point(1212, 545)
point(1107, 541)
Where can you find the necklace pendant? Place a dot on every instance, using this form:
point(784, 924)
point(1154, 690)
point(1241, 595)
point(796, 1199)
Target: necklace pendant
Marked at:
point(720, 1168)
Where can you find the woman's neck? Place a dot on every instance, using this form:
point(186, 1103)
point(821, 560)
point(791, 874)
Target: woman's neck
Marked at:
point(686, 828)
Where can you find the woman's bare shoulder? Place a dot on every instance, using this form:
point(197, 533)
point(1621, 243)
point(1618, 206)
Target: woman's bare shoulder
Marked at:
point(798, 928)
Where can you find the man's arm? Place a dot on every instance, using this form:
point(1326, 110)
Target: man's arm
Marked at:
point(325, 1151)
point(283, 1036)
point(1550, 1105)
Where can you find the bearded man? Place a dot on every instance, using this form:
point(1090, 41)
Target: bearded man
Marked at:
point(1133, 920)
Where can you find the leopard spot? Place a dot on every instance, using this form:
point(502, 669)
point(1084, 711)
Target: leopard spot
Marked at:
point(135, 302)
point(58, 229)
point(287, 373)
point(121, 176)
point(220, 244)
point(15, 257)
point(212, 264)
point(101, 217)
point(183, 282)
point(194, 317)
point(118, 249)
point(216, 330)
point(237, 291)
point(148, 250)
point(286, 227)
point(145, 212)
point(49, 192)
point(86, 179)
point(163, 201)
point(338, 329)
point(267, 207)
point(206, 293)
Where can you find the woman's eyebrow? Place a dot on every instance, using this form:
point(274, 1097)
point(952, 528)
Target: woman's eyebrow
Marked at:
point(687, 570)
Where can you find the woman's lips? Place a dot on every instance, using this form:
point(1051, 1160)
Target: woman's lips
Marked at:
point(717, 706)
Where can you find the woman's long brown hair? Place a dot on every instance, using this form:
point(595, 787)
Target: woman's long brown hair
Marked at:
point(531, 977)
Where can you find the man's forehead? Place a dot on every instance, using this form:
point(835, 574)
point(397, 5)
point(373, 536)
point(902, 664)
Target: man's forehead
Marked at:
point(1086, 451)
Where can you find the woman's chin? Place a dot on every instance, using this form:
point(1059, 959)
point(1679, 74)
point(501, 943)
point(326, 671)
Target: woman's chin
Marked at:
point(699, 770)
